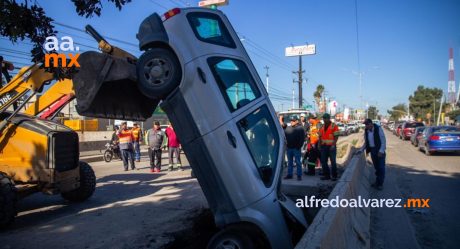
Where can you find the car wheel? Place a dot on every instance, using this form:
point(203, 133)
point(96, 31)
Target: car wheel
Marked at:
point(158, 72)
point(231, 238)
point(87, 185)
point(8, 201)
point(108, 155)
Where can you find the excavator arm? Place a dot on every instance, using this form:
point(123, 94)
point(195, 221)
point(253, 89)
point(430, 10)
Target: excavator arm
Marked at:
point(54, 99)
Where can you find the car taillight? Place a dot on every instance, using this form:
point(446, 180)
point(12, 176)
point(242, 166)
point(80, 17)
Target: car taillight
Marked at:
point(434, 137)
point(170, 14)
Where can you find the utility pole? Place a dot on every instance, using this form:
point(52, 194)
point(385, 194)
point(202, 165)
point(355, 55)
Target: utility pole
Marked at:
point(293, 93)
point(300, 72)
point(266, 75)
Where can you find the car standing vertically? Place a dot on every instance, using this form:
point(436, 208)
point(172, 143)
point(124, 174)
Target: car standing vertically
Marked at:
point(415, 137)
point(212, 94)
point(408, 128)
point(440, 138)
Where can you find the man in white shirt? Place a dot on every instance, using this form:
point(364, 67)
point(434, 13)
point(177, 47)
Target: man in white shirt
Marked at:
point(376, 146)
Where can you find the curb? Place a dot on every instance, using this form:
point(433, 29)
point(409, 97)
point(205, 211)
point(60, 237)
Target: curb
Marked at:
point(343, 227)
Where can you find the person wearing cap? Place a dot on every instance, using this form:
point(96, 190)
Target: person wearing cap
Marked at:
point(305, 124)
point(125, 138)
point(154, 139)
point(137, 136)
point(295, 138)
point(328, 136)
point(376, 146)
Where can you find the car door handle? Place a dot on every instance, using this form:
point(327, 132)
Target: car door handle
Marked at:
point(231, 139)
point(201, 75)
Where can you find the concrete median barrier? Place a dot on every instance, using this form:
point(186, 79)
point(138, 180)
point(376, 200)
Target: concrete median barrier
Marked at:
point(343, 227)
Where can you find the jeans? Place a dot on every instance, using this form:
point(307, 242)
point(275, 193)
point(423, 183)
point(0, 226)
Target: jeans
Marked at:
point(327, 152)
point(155, 158)
point(174, 151)
point(125, 155)
point(379, 165)
point(294, 154)
point(137, 150)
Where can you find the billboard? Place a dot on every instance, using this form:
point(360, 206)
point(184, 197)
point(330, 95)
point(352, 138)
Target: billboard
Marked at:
point(301, 50)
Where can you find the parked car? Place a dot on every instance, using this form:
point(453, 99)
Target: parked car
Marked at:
point(397, 130)
point(342, 129)
point(408, 128)
point(440, 138)
point(195, 62)
point(414, 138)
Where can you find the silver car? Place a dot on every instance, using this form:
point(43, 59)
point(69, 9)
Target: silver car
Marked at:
point(196, 65)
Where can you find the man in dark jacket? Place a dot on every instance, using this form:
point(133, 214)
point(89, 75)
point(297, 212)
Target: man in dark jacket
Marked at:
point(376, 146)
point(295, 138)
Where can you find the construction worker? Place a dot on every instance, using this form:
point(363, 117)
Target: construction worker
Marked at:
point(137, 135)
point(154, 138)
point(126, 139)
point(312, 151)
point(328, 136)
point(173, 147)
point(295, 138)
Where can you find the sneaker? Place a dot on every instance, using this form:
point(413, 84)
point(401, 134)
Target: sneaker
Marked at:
point(156, 170)
point(299, 178)
point(287, 177)
point(325, 178)
point(152, 170)
point(334, 179)
point(133, 168)
point(170, 168)
point(379, 187)
point(138, 160)
point(126, 169)
point(180, 168)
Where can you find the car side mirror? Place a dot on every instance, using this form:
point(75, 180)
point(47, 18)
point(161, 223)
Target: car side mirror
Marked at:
point(266, 173)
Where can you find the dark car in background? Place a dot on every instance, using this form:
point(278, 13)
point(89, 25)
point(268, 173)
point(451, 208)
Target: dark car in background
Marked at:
point(416, 135)
point(440, 138)
point(408, 128)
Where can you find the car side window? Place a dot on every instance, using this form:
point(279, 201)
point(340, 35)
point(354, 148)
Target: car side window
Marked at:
point(235, 81)
point(209, 27)
point(261, 137)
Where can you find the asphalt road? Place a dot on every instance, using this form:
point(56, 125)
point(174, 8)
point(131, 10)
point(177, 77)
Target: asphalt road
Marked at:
point(412, 174)
point(133, 209)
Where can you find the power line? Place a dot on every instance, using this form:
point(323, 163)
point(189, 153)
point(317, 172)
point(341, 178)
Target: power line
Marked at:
point(162, 6)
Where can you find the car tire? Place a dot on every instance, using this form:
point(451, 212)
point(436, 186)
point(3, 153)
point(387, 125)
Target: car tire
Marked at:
point(231, 237)
point(87, 185)
point(108, 155)
point(8, 201)
point(158, 73)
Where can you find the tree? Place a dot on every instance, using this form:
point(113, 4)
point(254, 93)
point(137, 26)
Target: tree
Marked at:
point(372, 112)
point(397, 112)
point(318, 95)
point(424, 101)
point(27, 20)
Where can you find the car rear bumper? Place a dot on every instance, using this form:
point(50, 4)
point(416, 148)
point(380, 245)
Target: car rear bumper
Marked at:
point(445, 148)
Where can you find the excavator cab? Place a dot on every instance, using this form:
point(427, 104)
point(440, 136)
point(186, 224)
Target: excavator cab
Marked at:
point(106, 84)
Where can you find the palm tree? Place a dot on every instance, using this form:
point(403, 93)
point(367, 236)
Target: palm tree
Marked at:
point(318, 94)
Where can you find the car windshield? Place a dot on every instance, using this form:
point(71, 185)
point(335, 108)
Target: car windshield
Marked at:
point(209, 28)
point(260, 135)
point(446, 129)
point(235, 81)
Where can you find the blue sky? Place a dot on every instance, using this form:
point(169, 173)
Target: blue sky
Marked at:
point(402, 44)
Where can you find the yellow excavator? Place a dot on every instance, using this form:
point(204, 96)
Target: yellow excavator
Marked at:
point(39, 155)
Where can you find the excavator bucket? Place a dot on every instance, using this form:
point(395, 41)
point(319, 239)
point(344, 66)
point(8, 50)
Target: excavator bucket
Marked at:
point(106, 87)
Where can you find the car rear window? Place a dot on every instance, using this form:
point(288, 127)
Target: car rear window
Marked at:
point(413, 125)
point(446, 129)
point(235, 81)
point(209, 28)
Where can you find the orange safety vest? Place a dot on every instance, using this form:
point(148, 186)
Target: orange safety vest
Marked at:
point(314, 137)
point(136, 134)
point(328, 136)
point(125, 136)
